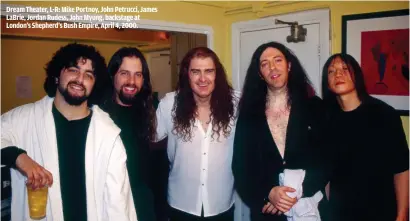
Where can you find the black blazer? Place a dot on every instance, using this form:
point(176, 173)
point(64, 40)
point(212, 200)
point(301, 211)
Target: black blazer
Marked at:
point(257, 162)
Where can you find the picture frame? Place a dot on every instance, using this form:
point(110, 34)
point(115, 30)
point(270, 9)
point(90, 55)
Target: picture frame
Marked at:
point(379, 41)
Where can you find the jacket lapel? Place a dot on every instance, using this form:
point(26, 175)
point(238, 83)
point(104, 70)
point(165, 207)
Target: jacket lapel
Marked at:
point(101, 136)
point(296, 130)
point(91, 154)
point(268, 142)
point(46, 134)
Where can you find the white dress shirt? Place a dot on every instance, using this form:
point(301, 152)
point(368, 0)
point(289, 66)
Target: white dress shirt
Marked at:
point(200, 169)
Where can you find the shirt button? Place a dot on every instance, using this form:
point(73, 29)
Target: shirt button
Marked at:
point(203, 169)
point(204, 153)
point(284, 162)
point(203, 184)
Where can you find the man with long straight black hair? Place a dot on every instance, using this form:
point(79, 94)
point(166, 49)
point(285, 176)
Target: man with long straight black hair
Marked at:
point(279, 127)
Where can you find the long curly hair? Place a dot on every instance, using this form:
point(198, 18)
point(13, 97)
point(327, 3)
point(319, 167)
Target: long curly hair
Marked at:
point(68, 56)
point(143, 102)
point(184, 109)
point(254, 96)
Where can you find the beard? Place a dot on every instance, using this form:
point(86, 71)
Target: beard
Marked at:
point(70, 98)
point(128, 99)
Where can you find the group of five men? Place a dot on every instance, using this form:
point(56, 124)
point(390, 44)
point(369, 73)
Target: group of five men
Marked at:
point(90, 138)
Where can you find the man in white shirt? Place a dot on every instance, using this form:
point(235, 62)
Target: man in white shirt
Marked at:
point(199, 120)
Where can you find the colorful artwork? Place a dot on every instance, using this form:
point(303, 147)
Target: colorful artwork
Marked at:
point(385, 61)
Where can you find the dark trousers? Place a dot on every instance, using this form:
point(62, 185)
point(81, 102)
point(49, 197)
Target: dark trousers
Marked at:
point(178, 215)
point(159, 178)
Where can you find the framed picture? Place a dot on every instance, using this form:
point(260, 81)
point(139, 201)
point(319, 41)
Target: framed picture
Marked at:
point(380, 43)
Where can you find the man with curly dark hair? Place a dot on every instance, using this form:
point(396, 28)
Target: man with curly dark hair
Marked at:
point(199, 120)
point(65, 142)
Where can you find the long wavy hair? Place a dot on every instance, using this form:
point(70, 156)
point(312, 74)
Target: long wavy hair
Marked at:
point(184, 109)
point(355, 72)
point(143, 102)
point(254, 96)
point(68, 56)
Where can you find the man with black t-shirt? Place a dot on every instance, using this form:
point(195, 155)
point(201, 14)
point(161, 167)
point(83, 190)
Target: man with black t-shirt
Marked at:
point(364, 184)
point(368, 155)
point(67, 143)
point(130, 103)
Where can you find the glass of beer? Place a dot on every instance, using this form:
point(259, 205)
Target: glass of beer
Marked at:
point(37, 201)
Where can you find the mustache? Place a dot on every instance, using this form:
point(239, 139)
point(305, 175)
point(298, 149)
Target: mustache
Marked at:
point(129, 85)
point(77, 84)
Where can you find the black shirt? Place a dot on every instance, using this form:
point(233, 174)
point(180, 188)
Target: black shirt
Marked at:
point(71, 141)
point(368, 147)
point(137, 149)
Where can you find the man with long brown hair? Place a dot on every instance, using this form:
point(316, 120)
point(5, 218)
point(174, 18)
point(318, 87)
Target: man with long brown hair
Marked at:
point(129, 102)
point(199, 120)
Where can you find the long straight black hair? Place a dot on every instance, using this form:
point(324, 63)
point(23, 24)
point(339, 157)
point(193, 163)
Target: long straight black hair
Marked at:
point(356, 74)
point(253, 100)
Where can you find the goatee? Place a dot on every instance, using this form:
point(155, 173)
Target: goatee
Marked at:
point(71, 99)
point(127, 99)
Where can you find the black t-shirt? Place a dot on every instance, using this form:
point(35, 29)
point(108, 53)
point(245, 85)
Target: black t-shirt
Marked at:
point(137, 149)
point(71, 141)
point(368, 147)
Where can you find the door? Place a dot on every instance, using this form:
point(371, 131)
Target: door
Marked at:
point(159, 66)
point(312, 53)
point(307, 52)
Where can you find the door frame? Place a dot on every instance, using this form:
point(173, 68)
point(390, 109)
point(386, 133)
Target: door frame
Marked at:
point(153, 54)
point(316, 16)
point(142, 24)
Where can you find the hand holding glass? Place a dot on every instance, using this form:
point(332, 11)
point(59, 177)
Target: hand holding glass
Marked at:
point(37, 201)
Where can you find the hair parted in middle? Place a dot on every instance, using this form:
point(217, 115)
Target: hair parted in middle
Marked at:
point(222, 106)
point(143, 102)
point(254, 94)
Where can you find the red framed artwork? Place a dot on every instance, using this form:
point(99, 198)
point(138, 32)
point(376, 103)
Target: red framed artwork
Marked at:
point(380, 43)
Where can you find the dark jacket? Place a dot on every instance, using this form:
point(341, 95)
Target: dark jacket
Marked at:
point(257, 162)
